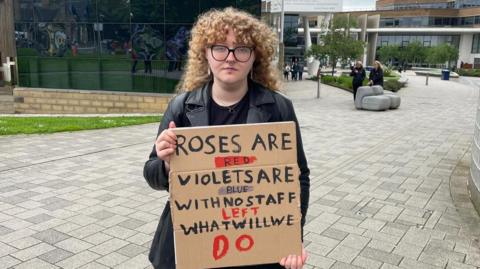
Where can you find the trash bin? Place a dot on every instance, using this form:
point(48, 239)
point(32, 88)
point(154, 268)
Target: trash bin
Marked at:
point(445, 74)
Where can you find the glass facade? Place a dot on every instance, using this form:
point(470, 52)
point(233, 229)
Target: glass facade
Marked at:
point(430, 21)
point(115, 45)
point(294, 42)
point(426, 40)
point(467, 3)
point(398, 6)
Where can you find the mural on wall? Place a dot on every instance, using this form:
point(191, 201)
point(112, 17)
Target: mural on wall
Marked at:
point(147, 39)
point(176, 49)
point(57, 40)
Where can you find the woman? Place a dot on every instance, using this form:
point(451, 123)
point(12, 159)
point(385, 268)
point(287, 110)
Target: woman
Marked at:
point(229, 79)
point(376, 75)
point(358, 74)
point(286, 71)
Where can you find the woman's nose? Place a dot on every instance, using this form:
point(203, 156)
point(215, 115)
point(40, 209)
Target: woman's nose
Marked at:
point(230, 57)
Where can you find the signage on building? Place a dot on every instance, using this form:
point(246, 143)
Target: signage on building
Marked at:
point(307, 6)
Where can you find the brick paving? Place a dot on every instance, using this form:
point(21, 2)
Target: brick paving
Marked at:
point(388, 188)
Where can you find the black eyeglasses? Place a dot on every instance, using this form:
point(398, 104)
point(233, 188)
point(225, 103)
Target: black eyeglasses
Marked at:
point(241, 54)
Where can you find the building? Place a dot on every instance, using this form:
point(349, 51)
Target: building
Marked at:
point(304, 21)
point(102, 45)
point(93, 44)
point(430, 22)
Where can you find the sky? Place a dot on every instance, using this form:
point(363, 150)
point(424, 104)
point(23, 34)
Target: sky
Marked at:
point(358, 4)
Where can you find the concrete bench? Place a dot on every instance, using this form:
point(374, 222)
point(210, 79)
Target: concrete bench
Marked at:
point(373, 98)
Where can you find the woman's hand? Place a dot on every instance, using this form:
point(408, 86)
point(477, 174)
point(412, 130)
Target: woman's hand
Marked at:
point(166, 144)
point(294, 261)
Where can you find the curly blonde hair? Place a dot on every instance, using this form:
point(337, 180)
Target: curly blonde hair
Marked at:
point(212, 27)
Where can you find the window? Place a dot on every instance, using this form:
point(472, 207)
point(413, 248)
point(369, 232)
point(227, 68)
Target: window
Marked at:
point(476, 44)
point(476, 63)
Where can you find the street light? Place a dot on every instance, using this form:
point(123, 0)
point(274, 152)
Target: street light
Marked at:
point(281, 46)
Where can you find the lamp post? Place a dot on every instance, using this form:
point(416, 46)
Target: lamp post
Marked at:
point(281, 46)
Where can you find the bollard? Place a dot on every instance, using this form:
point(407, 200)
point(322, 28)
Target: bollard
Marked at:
point(426, 80)
point(318, 87)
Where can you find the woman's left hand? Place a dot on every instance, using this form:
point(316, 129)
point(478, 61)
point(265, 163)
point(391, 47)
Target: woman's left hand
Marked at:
point(294, 261)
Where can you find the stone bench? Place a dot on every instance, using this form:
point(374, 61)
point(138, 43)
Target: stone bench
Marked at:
point(373, 98)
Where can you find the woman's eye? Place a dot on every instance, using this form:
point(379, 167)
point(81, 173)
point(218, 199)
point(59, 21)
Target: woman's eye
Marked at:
point(219, 49)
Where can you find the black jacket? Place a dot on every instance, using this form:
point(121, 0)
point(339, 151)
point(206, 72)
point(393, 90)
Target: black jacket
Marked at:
point(376, 76)
point(358, 77)
point(191, 109)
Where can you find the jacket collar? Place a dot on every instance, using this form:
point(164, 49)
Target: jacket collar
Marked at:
point(258, 96)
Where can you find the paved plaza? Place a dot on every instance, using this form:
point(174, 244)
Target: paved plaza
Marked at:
point(388, 189)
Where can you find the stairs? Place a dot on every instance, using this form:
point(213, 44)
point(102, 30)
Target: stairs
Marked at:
point(6, 100)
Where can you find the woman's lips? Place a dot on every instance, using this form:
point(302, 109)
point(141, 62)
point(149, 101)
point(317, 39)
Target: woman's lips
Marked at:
point(230, 69)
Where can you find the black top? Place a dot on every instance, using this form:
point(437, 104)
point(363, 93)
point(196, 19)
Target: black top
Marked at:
point(358, 75)
point(376, 76)
point(223, 115)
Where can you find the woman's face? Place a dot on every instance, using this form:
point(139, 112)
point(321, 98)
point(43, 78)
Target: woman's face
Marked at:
point(376, 66)
point(230, 69)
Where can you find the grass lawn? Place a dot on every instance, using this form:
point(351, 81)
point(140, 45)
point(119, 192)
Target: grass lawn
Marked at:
point(43, 125)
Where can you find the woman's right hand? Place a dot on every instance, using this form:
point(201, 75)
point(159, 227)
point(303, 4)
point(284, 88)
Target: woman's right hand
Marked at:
point(166, 144)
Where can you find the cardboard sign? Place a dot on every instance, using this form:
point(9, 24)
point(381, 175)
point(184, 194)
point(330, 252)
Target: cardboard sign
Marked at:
point(235, 195)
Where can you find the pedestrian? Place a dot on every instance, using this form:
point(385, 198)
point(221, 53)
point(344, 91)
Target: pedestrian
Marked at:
point(229, 79)
point(358, 74)
point(134, 56)
point(286, 71)
point(300, 70)
point(376, 75)
point(147, 60)
point(294, 70)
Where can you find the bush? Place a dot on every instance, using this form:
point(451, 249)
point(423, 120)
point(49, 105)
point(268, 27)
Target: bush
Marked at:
point(387, 72)
point(469, 72)
point(345, 81)
point(392, 85)
point(328, 79)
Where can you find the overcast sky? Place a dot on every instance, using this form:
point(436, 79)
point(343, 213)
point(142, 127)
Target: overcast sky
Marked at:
point(358, 4)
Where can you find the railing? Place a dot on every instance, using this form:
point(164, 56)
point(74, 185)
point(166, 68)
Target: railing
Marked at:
point(474, 180)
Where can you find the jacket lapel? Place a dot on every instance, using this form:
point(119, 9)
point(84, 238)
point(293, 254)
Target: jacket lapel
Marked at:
point(259, 97)
point(257, 115)
point(198, 99)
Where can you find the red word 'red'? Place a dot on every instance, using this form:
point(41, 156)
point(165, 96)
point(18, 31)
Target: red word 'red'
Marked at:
point(226, 161)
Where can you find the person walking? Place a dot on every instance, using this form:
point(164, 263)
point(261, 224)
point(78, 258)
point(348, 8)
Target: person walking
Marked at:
point(376, 75)
point(300, 70)
point(286, 71)
point(134, 56)
point(229, 79)
point(358, 74)
point(294, 70)
point(147, 61)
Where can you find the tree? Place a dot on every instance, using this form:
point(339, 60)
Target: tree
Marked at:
point(318, 52)
point(388, 54)
point(338, 44)
point(415, 53)
point(442, 53)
